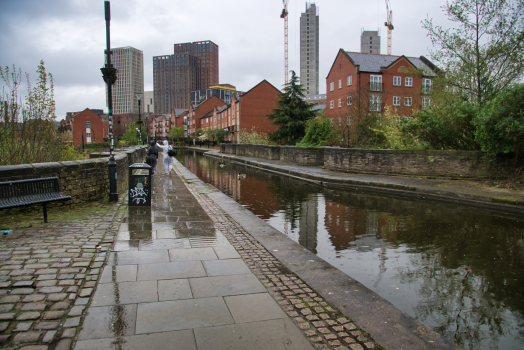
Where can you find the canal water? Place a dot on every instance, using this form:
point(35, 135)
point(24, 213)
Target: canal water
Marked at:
point(457, 269)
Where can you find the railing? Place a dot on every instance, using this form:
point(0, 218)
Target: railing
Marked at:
point(376, 87)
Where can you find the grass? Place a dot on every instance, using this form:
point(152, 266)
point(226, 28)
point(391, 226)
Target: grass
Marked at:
point(75, 212)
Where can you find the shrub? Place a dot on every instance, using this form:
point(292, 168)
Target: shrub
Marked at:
point(253, 137)
point(367, 133)
point(318, 133)
point(447, 127)
point(500, 126)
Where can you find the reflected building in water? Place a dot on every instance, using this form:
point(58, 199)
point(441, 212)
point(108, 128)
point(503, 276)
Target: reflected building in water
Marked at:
point(308, 223)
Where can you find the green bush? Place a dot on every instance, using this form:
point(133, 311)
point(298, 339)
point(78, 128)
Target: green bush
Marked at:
point(500, 126)
point(449, 126)
point(318, 133)
point(367, 133)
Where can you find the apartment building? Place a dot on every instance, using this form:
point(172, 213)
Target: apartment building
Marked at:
point(247, 112)
point(359, 83)
point(129, 63)
point(309, 49)
point(193, 66)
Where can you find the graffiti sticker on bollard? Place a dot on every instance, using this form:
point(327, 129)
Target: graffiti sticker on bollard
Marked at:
point(139, 185)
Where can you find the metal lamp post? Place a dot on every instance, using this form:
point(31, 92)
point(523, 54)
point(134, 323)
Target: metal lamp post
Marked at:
point(139, 122)
point(109, 75)
point(343, 139)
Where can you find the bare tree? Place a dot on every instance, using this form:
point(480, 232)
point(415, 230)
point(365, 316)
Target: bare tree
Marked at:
point(28, 133)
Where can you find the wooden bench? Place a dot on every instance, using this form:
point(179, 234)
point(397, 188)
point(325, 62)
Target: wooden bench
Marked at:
point(22, 193)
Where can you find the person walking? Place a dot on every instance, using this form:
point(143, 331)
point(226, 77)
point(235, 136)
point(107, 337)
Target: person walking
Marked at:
point(168, 161)
point(152, 153)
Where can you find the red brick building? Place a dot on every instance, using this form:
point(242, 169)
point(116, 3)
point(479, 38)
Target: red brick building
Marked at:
point(195, 113)
point(359, 83)
point(87, 124)
point(247, 112)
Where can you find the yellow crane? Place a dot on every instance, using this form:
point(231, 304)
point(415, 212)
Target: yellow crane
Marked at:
point(389, 24)
point(284, 16)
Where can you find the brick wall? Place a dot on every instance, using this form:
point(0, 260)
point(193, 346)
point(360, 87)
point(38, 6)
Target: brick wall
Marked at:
point(83, 180)
point(426, 163)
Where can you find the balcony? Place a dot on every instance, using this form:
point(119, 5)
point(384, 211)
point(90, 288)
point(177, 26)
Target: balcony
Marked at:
point(378, 87)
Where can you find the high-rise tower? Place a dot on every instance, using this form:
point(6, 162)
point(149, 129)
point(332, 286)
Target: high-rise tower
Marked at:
point(370, 42)
point(193, 66)
point(309, 62)
point(129, 63)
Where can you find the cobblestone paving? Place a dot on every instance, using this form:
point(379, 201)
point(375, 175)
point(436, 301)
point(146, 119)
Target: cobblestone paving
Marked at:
point(325, 327)
point(48, 273)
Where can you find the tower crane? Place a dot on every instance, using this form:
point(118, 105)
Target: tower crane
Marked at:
point(389, 24)
point(284, 16)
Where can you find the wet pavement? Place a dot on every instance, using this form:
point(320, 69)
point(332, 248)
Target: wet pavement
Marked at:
point(172, 277)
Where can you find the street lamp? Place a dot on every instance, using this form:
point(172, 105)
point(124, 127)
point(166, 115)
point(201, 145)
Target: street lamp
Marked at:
point(139, 97)
point(109, 75)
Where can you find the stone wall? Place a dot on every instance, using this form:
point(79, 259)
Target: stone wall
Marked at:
point(83, 180)
point(426, 163)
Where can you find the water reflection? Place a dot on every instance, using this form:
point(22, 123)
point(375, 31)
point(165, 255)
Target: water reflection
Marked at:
point(458, 269)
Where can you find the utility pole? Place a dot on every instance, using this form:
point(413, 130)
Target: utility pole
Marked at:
point(109, 75)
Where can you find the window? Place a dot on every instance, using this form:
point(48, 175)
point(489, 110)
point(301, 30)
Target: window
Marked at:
point(397, 81)
point(340, 83)
point(88, 125)
point(409, 81)
point(427, 84)
point(348, 119)
point(339, 121)
point(339, 102)
point(375, 83)
point(331, 104)
point(408, 101)
point(375, 103)
point(426, 102)
point(396, 100)
point(349, 100)
point(88, 134)
point(350, 80)
point(331, 86)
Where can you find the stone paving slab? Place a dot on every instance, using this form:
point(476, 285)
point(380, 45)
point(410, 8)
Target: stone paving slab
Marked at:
point(253, 307)
point(125, 293)
point(192, 254)
point(225, 285)
point(139, 257)
point(274, 334)
point(123, 273)
point(178, 340)
point(109, 321)
point(171, 270)
point(182, 314)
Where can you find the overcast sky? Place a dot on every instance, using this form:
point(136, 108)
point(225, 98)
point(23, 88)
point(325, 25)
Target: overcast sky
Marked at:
point(69, 36)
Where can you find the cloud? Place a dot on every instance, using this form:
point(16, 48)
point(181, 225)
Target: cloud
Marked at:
point(69, 35)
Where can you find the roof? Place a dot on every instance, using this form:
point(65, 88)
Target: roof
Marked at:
point(178, 111)
point(373, 63)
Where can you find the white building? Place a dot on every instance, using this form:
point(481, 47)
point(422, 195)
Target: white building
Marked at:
point(129, 63)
